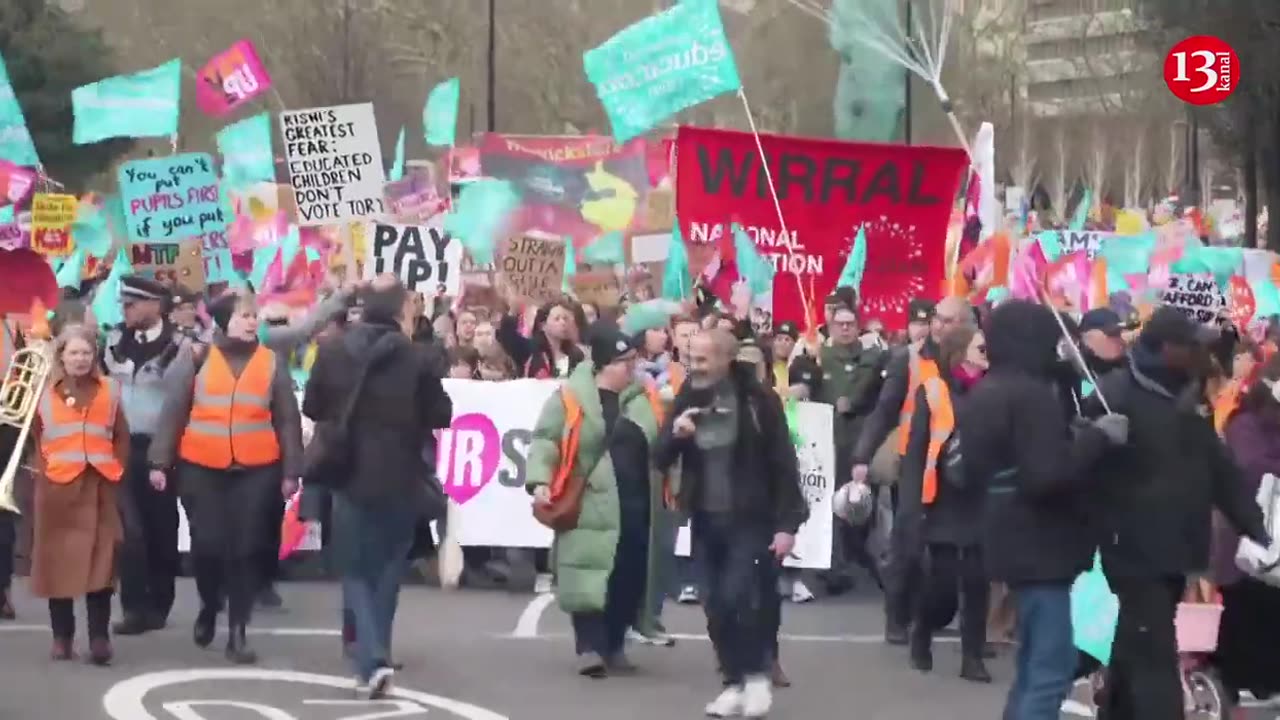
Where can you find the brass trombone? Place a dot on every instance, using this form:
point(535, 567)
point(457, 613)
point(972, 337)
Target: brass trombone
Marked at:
point(20, 393)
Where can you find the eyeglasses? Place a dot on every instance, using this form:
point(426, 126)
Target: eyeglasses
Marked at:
point(846, 324)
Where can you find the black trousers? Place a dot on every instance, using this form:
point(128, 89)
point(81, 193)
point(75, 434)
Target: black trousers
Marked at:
point(1143, 681)
point(269, 557)
point(149, 555)
point(8, 540)
point(604, 633)
point(62, 615)
point(948, 570)
point(739, 594)
point(227, 511)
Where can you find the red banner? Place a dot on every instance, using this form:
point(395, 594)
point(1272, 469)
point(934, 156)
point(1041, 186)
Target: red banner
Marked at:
point(827, 189)
point(581, 187)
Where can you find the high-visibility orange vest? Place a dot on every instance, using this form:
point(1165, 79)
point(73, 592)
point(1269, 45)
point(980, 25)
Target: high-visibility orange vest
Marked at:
point(1225, 404)
point(73, 438)
point(573, 430)
point(942, 422)
point(231, 417)
point(678, 375)
point(919, 370)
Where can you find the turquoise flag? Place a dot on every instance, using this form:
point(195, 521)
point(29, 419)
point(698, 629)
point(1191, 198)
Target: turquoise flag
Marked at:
point(755, 270)
point(1128, 254)
point(106, 300)
point(1094, 612)
point(16, 144)
point(440, 114)
point(480, 215)
point(570, 265)
point(246, 151)
point(648, 315)
point(856, 265)
point(605, 250)
point(660, 66)
point(90, 231)
point(397, 165)
point(6, 215)
point(72, 270)
point(1082, 211)
point(677, 282)
point(262, 259)
point(122, 261)
point(144, 104)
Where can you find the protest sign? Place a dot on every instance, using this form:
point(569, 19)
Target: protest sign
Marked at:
point(15, 182)
point(533, 267)
point(169, 199)
point(230, 79)
point(172, 264)
point(425, 257)
point(414, 198)
point(51, 218)
point(335, 163)
point(659, 211)
point(828, 190)
point(601, 288)
point(1197, 295)
point(817, 458)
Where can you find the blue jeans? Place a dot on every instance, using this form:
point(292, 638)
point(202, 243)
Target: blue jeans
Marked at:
point(373, 544)
point(1047, 655)
point(739, 594)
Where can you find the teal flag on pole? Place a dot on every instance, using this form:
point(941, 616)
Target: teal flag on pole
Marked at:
point(440, 114)
point(144, 104)
point(16, 144)
point(660, 66)
point(397, 165)
point(246, 151)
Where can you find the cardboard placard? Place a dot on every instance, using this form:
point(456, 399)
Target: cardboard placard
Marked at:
point(599, 287)
point(180, 264)
point(335, 163)
point(425, 257)
point(533, 267)
point(51, 218)
point(659, 210)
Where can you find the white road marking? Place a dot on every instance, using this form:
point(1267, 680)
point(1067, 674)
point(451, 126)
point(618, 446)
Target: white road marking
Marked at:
point(124, 701)
point(277, 632)
point(527, 625)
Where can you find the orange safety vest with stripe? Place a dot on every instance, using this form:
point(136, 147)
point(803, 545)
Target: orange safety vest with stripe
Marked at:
point(919, 369)
point(72, 438)
point(573, 432)
point(231, 417)
point(942, 423)
point(1227, 402)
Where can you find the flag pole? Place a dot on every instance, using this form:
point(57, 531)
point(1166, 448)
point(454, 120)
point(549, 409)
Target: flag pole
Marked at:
point(777, 205)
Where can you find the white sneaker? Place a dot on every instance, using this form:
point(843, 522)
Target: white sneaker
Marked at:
point(757, 696)
point(688, 595)
point(542, 583)
point(362, 690)
point(727, 704)
point(800, 593)
point(380, 682)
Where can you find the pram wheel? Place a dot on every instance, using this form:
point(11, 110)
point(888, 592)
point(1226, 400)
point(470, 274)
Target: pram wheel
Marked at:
point(1204, 696)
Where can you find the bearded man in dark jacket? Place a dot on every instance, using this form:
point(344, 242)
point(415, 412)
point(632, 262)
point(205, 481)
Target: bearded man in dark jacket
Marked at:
point(1154, 502)
point(1018, 441)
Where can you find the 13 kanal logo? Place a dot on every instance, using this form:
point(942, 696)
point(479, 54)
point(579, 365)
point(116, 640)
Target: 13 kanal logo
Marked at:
point(1202, 70)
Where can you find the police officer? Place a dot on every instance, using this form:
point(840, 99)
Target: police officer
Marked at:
point(136, 356)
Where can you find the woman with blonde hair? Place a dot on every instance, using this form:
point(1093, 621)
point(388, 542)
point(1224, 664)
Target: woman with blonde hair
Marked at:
point(231, 428)
point(83, 443)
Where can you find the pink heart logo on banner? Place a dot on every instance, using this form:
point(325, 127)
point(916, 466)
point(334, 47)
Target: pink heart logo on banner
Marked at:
point(467, 456)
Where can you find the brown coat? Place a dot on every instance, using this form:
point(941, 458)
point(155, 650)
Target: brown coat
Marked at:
point(77, 525)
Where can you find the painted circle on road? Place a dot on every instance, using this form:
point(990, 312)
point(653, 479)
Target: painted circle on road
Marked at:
point(126, 699)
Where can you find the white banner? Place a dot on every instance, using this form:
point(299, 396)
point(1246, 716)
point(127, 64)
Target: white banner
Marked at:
point(1197, 295)
point(817, 456)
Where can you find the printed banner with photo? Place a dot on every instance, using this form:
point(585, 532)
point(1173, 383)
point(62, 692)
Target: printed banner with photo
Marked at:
point(828, 190)
point(817, 458)
point(579, 187)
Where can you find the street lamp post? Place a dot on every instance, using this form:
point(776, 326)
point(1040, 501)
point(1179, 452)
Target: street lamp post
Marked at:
point(492, 100)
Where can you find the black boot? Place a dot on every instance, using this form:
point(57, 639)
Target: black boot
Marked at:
point(895, 632)
point(238, 652)
point(206, 627)
point(974, 669)
point(132, 624)
point(921, 648)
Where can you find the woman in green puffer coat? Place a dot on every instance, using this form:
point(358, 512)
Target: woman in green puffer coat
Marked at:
point(603, 565)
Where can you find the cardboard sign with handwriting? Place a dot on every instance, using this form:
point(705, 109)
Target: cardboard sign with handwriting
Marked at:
point(180, 264)
point(600, 287)
point(51, 218)
point(534, 267)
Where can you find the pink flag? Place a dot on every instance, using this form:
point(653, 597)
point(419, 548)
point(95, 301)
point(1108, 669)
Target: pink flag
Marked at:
point(15, 182)
point(1026, 273)
point(231, 79)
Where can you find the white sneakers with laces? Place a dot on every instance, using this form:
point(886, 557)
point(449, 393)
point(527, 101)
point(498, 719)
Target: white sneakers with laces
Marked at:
point(757, 696)
point(727, 704)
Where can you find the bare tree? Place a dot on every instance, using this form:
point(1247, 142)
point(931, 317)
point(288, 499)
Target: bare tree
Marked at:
point(1023, 169)
point(1056, 184)
point(1098, 160)
point(1135, 190)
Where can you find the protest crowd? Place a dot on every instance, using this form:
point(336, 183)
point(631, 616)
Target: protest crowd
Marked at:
point(1059, 432)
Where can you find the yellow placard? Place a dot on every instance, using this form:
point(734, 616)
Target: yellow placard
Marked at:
point(51, 218)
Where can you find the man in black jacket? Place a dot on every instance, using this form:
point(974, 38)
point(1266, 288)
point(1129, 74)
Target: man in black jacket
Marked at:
point(392, 483)
point(1036, 536)
point(740, 484)
point(1154, 500)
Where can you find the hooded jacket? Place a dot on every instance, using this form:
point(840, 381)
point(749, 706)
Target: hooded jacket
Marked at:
point(1155, 494)
point(1019, 443)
